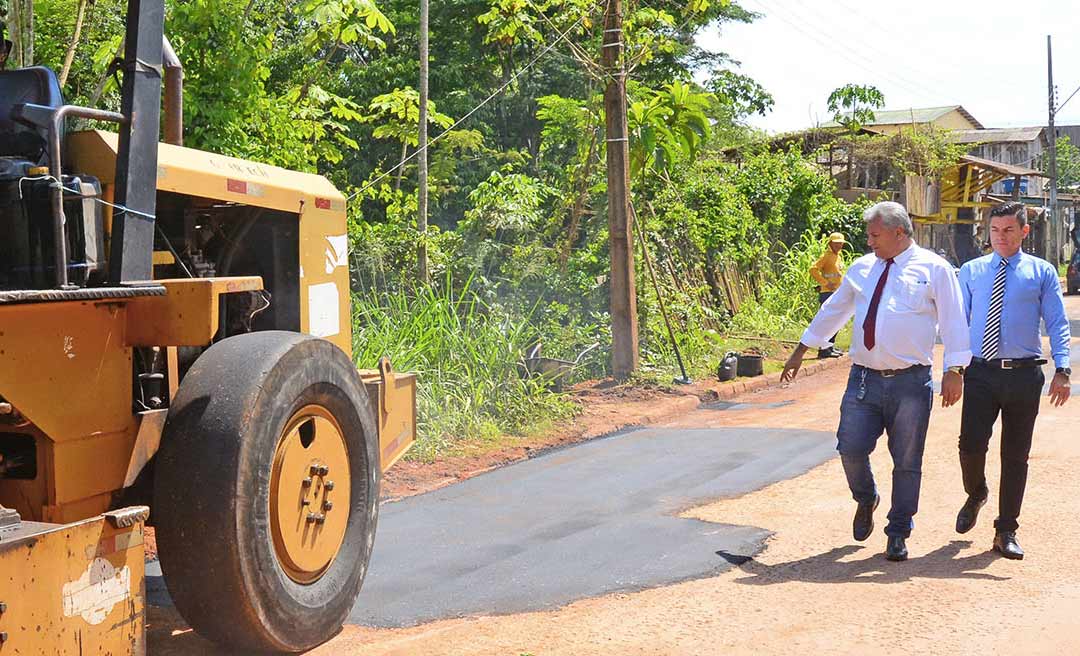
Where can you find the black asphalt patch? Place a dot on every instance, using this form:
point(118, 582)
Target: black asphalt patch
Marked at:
point(592, 519)
point(734, 405)
point(579, 522)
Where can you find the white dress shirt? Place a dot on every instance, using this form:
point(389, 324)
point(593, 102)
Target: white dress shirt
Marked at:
point(921, 296)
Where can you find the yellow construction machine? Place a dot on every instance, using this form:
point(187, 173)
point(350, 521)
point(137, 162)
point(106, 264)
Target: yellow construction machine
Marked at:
point(175, 339)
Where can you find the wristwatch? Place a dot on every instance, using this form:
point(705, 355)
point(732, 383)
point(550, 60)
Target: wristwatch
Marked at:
point(1064, 370)
point(956, 369)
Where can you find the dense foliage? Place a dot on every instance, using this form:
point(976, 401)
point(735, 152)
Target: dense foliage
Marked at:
point(518, 229)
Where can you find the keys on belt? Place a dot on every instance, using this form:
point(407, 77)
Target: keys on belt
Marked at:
point(1011, 363)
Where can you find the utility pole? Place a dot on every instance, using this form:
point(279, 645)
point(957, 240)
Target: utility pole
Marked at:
point(1053, 223)
point(422, 159)
point(624, 330)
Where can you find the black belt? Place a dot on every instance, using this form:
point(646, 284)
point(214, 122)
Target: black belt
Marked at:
point(1010, 363)
point(889, 373)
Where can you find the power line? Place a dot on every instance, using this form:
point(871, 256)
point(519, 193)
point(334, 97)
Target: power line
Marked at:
point(837, 48)
point(873, 21)
point(1062, 105)
point(472, 111)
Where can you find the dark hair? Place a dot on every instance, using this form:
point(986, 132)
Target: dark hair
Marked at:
point(1012, 208)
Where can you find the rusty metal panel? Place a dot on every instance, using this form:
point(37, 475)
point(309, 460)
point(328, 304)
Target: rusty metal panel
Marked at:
point(188, 313)
point(75, 589)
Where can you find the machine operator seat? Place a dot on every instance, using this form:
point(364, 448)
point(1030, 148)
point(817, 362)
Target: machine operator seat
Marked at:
point(36, 85)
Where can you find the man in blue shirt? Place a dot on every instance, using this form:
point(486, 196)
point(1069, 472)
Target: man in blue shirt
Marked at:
point(1006, 294)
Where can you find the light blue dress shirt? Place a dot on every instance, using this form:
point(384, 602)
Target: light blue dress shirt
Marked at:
point(1032, 292)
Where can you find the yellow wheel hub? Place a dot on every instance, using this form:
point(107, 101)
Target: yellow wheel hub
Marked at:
point(309, 493)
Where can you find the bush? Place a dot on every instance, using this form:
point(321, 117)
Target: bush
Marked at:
point(465, 353)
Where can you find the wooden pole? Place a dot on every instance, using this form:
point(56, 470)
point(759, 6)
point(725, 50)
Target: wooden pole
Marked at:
point(421, 160)
point(624, 329)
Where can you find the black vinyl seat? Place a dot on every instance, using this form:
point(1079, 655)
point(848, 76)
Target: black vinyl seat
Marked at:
point(36, 85)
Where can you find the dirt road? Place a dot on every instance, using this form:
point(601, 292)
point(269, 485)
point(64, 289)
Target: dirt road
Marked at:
point(813, 589)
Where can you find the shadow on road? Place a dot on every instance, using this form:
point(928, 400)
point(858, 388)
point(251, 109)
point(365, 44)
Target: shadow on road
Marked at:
point(828, 567)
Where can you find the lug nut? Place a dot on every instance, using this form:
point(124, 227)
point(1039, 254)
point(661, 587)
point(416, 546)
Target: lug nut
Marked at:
point(320, 518)
point(311, 517)
point(305, 502)
point(328, 505)
point(328, 485)
point(315, 470)
point(323, 470)
point(306, 482)
point(3, 607)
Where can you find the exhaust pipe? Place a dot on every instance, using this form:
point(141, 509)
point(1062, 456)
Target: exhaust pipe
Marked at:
point(174, 95)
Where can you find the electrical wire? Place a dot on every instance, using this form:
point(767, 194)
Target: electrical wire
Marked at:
point(1062, 105)
point(851, 56)
point(485, 101)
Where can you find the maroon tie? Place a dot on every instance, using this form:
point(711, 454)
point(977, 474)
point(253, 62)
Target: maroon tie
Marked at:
point(869, 324)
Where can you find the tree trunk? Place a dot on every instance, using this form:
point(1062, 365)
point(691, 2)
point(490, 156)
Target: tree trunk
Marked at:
point(21, 27)
point(579, 204)
point(401, 169)
point(423, 275)
point(69, 56)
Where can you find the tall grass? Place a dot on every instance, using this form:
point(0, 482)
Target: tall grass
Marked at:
point(466, 355)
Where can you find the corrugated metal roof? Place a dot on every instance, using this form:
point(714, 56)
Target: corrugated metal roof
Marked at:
point(914, 115)
point(1009, 169)
point(996, 135)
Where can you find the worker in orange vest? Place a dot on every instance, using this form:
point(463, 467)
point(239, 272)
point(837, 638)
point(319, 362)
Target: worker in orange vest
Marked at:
point(828, 271)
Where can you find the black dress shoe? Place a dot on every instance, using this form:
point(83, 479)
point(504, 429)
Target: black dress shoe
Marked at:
point(1005, 543)
point(965, 519)
point(863, 525)
point(896, 549)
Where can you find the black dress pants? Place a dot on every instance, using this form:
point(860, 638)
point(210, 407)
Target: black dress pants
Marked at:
point(1015, 394)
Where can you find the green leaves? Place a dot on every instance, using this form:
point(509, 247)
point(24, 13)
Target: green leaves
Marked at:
point(343, 22)
point(1068, 164)
point(398, 116)
point(510, 22)
point(853, 105)
point(666, 124)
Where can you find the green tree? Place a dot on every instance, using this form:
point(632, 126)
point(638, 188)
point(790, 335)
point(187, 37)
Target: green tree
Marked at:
point(853, 105)
point(1068, 165)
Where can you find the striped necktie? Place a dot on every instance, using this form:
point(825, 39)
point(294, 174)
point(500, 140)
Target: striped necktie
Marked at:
point(992, 333)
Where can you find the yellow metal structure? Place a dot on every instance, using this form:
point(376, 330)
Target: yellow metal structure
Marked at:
point(67, 386)
point(318, 206)
point(74, 589)
point(964, 186)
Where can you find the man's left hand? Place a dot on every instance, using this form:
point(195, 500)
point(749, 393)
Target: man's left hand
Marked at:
point(1060, 389)
point(952, 387)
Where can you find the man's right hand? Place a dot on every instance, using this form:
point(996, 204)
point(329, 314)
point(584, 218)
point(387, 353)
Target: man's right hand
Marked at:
point(791, 367)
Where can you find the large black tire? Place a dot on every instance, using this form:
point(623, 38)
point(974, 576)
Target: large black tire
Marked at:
point(212, 484)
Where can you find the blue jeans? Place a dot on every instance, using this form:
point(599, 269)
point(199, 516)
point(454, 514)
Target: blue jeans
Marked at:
point(900, 406)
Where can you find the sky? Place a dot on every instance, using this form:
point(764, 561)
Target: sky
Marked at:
point(989, 56)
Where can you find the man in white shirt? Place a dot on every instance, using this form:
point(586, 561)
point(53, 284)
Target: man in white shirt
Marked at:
point(902, 296)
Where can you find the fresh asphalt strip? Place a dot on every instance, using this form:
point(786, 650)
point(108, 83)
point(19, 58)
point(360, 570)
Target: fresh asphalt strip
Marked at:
point(579, 522)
